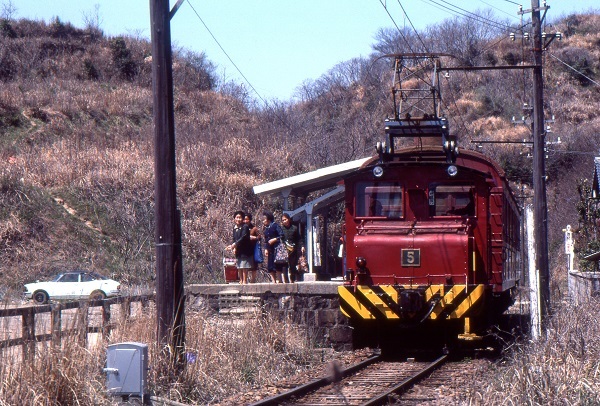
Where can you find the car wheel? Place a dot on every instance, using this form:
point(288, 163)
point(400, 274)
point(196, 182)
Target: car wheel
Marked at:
point(40, 297)
point(97, 295)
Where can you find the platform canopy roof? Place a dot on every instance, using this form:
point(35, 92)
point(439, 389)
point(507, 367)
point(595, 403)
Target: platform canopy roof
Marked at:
point(301, 185)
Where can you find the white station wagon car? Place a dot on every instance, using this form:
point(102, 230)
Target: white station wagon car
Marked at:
point(73, 285)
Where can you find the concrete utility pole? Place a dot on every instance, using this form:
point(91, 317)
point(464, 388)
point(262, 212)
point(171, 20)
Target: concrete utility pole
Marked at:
point(169, 270)
point(540, 212)
point(534, 280)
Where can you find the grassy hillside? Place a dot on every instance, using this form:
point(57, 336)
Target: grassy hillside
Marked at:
point(76, 153)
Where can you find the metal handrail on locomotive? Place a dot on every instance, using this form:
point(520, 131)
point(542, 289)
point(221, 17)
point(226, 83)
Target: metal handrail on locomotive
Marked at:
point(433, 235)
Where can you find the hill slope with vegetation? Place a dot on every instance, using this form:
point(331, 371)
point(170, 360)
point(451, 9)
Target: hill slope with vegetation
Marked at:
point(76, 138)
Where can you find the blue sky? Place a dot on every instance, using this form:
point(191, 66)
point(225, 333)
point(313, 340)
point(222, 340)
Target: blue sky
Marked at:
point(275, 44)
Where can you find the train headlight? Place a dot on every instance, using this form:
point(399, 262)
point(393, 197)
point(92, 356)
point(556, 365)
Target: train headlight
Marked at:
point(361, 262)
point(452, 170)
point(378, 171)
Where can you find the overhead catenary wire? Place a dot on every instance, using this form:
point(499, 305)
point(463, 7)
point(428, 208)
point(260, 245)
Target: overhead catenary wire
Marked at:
point(494, 44)
point(384, 5)
point(396, 25)
point(413, 27)
point(462, 121)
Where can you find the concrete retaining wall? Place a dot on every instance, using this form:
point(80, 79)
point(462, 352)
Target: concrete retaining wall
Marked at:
point(583, 286)
point(313, 307)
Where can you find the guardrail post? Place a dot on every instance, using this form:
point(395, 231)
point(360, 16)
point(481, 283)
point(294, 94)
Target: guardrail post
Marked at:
point(56, 321)
point(28, 339)
point(82, 324)
point(105, 319)
point(126, 308)
point(28, 334)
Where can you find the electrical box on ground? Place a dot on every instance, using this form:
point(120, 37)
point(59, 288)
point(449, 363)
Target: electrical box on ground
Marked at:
point(127, 369)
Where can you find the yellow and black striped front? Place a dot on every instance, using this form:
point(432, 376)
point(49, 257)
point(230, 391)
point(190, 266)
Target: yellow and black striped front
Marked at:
point(386, 302)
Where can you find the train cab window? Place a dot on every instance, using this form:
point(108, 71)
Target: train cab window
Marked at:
point(452, 200)
point(379, 200)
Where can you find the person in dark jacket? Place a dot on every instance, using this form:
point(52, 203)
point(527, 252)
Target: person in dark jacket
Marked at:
point(272, 233)
point(255, 239)
point(242, 247)
point(293, 241)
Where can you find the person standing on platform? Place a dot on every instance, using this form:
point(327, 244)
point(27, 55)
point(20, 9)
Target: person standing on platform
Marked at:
point(293, 242)
point(272, 233)
point(254, 239)
point(242, 247)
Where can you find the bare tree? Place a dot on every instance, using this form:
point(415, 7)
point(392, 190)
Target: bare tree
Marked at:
point(9, 10)
point(92, 19)
point(465, 37)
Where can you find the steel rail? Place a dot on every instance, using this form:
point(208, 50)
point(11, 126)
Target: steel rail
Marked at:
point(404, 385)
point(313, 385)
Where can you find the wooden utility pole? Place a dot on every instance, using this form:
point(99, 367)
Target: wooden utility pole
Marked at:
point(540, 209)
point(169, 269)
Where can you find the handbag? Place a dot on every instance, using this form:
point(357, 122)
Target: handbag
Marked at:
point(302, 264)
point(281, 254)
point(258, 253)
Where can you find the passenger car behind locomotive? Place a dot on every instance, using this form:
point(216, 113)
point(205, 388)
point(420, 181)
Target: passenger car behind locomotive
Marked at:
point(432, 236)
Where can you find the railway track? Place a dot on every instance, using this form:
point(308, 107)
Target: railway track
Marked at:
point(371, 382)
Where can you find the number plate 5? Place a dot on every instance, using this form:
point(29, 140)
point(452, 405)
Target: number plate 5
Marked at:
point(411, 257)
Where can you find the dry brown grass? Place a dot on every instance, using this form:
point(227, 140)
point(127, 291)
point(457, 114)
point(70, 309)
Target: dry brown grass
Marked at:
point(562, 368)
point(227, 356)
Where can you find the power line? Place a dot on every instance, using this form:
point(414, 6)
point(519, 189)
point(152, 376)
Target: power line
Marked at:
point(499, 9)
point(465, 13)
point(469, 14)
point(227, 55)
point(492, 45)
point(462, 119)
point(556, 151)
point(573, 69)
point(266, 104)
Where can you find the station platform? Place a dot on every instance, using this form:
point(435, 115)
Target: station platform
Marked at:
point(312, 306)
point(318, 288)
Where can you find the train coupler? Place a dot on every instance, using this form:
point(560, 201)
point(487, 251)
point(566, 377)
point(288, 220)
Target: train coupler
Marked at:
point(468, 335)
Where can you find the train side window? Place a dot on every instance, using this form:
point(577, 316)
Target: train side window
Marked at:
point(383, 199)
point(452, 200)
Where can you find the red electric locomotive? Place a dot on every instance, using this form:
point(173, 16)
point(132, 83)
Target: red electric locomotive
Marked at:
point(432, 236)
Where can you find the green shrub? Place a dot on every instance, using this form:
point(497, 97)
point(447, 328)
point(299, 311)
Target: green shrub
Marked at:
point(6, 29)
point(122, 59)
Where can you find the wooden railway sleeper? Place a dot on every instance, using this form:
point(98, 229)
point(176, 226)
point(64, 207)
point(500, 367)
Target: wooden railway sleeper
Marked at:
point(383, 399)
point(317, 383)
